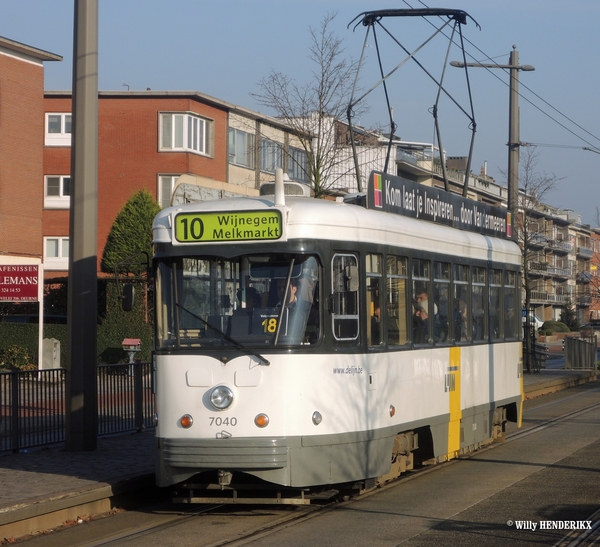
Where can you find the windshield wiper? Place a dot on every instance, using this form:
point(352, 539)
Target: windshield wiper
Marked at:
point(239, 346)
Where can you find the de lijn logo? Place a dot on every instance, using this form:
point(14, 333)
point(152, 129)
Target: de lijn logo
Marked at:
point(404, 197)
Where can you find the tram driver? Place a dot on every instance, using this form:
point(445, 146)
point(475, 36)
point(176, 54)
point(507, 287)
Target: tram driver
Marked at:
point(304, 314)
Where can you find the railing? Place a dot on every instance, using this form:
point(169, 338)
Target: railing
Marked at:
point(538, 267)
point(580, 353)
point(585, 252)
point(559, 272)
point(33, 408)
point(584, 277)
point(561, 246)
point(539, 296)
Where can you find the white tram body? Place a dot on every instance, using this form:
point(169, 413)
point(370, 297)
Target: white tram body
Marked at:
point(342, 403)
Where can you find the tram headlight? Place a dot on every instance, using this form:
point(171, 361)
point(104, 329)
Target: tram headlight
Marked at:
point(316, 417)
point(221, 397)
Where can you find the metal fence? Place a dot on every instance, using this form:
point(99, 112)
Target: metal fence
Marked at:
point(581, 353)
point(33, 408)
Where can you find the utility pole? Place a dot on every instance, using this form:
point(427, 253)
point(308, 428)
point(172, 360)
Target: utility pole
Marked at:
point(513, 128)
point(81, 397)
point(514, 143)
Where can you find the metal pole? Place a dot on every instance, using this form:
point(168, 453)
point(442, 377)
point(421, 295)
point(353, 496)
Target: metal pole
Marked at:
point(513, 129)
point(513, 141)
point(81, 397)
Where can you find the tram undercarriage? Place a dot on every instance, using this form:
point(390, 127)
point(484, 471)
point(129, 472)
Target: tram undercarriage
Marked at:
point(410, 450)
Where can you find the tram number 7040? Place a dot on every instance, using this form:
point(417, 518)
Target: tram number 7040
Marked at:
point(218, 421)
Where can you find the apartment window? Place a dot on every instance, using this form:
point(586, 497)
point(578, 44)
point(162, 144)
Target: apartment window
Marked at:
point(56, 253)
point(166, 184)
point(184, 132)
point(58, 129)
point(298, 165)
point(270, 156)
point(57, 191)
point(241, 148)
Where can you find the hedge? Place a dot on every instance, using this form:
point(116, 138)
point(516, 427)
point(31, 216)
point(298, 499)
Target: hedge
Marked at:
point(112, 329)
point(550, 327)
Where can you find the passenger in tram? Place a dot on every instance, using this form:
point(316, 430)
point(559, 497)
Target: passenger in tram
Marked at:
point(253, 300)
point(375, 326)
point(460, 320)
point(440, 318)
point(420, 324)
point(420, 320)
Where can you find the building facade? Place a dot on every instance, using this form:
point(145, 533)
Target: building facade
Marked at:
point(21, 150)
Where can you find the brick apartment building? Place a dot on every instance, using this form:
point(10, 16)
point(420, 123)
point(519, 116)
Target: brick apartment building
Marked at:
point(21, 147)
point(146, 140)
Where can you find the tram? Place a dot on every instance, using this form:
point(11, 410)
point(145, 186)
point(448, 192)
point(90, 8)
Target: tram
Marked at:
point(305, 343)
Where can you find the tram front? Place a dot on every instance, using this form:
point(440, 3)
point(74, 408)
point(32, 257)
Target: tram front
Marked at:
point(225, 312)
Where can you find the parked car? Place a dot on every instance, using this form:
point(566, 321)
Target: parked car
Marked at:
point(535, 321)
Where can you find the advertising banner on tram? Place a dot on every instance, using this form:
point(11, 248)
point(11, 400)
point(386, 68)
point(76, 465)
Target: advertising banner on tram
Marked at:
point(404, 197)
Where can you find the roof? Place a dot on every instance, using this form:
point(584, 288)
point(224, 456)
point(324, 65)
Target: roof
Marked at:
point(29, 51)
point(189, 94)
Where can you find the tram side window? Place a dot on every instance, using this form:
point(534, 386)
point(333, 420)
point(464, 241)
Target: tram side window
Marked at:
point(344, 276)
point(460, 304)
point(397, 301)
point(423, 311)
point(510, 307)
point(373, 307)
point(441, 294)
point(496, 304)
point(478, 305)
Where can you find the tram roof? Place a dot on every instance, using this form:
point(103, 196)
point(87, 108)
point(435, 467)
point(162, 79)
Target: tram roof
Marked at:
point(307, 218)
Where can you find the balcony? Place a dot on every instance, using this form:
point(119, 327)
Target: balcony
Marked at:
point(548, 298)
point(584, 277)
point(584, 300)
point(585, 252)
point(560, 246)
point(559, 272)
point(537, 240)
point(538, 268)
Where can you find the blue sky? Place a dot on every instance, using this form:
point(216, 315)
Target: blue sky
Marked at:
point(224, 48)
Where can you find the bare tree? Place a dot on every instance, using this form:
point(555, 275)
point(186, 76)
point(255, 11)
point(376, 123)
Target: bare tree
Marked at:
point(533, 231)
point(312, 110)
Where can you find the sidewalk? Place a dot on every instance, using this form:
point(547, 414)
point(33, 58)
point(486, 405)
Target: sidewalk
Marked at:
point(41, 489)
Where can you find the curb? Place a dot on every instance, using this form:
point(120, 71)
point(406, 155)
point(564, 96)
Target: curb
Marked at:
point(49, 512)
point(553, 385)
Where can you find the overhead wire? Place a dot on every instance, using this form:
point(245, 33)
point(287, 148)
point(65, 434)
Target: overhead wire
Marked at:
point(595, 148)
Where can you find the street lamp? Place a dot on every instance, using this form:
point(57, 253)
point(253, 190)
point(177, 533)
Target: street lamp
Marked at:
point(513, 127)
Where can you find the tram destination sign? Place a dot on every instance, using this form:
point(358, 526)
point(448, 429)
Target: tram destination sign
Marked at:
point(401, 196)
point(227, 226)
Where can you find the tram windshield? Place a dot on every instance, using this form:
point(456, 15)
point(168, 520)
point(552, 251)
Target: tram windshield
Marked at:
point(253, 300)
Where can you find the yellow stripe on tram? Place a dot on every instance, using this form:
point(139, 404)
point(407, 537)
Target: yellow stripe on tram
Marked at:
point(453, 387)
